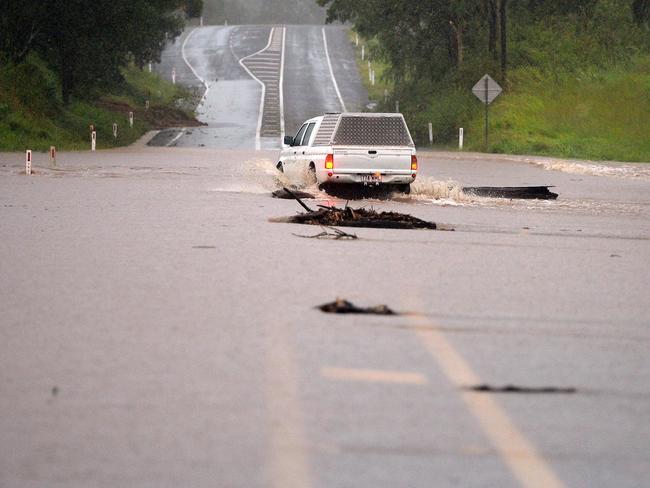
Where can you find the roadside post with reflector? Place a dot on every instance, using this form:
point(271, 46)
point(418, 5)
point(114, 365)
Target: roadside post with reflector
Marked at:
point(146, 105)
point(115, 130)
point(150, 68)
point(363, 52)
point(430, 133)
point(461, 134)
point(28, 162)
point(385, 95)
point(174, 76)
point(93, 140)
point(397, 106)
point(131, 120)
point(53, 156)
point(357, 39)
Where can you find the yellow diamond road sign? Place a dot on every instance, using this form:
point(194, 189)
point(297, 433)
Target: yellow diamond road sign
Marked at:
point(487, 89)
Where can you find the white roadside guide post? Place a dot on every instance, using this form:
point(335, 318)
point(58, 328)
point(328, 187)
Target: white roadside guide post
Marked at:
point(486, 90)
point(373, 77)
point(115, 130)
point(93, 140)
point(385, 95)
point(131, 120)
point(461, 134)
point(28, 162)
point(201, 21)
point(53, 156)
point(174, 76)
point(150, 68)
point(357, 40)
point(363, 52)
point(430, 133)
point(397, 106)
point(146, 105)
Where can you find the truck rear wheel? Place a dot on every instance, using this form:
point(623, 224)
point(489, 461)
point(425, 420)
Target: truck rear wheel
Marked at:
point(405, 188)
point(312, 173)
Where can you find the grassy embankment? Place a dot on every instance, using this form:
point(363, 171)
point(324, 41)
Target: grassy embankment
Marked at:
point(599, 114)
point(33, 116)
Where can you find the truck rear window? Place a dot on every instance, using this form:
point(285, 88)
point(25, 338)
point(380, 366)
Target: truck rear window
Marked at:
point(372, 131)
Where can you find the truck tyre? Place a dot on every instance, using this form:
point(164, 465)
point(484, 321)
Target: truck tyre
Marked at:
point(312, 173)
point(405, 188)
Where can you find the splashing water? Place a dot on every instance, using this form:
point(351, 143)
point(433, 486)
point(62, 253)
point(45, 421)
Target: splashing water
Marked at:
point(440, 192)
point(593, 169)
point(262, 176)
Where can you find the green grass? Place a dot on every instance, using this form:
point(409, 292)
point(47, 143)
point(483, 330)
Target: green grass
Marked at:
point(376, 92)
point(32, 115)
point(601, 118)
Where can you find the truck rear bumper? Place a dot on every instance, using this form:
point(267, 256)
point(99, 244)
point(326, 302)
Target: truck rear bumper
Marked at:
point(366, 178)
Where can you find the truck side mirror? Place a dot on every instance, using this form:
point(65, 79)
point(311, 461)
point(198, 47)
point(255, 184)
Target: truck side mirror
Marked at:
point(288, 140)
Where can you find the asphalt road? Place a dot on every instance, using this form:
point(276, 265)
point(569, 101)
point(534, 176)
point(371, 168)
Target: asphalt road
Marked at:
point(158, 331)
point(208, 59)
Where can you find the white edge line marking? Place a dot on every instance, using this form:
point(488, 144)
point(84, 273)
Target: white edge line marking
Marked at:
point(175, 139)
point(258, 144)
point(329, 63)
point(281, 87)
point(198, 77)
point(189, 65)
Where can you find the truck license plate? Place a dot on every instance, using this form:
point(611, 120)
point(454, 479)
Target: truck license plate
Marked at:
point(373, 178)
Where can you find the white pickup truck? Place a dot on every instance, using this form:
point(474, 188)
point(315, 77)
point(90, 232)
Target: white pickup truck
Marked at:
point(353, 148)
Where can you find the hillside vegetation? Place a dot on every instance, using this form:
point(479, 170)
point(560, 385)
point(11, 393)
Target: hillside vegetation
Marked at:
point(65, 65)
point(576, 74)
point(34, 116)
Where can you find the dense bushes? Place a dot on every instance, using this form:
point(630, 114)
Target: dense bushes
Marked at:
point(538, 50)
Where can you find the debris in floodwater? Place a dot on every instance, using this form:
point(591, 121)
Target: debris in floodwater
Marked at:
point(516, 192)
point(336, 234)
point(343, 306)
point(291, 195)
point(349, 217)
point(521, 389)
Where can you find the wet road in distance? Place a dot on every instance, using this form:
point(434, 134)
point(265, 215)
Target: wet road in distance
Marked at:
point(208, 58)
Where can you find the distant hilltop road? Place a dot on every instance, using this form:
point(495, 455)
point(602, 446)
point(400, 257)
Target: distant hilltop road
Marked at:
point(263, 12)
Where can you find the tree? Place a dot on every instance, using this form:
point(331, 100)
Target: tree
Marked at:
point(87, 42)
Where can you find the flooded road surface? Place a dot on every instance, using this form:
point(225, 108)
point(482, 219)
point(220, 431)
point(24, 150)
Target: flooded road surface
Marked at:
point(158, 330)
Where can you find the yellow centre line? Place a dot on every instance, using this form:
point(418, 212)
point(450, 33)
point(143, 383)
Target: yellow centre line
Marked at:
point(526, 464)
point(374, 376)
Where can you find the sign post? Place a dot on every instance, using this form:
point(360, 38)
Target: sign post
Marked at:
point(486, 90)
point(28, 162)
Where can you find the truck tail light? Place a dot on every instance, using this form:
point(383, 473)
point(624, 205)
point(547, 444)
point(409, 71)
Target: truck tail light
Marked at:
point(414, 163)
point(329, 161)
